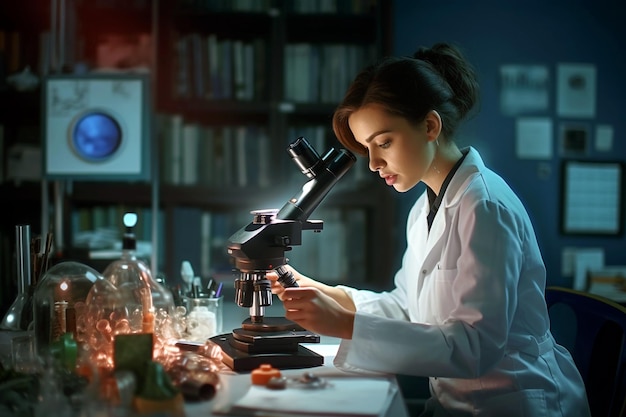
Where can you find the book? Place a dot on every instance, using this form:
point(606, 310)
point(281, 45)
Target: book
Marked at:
point(189, 153)
point(264, 158)
point(205, 243)
point(226, 68)
point(213, 54)
point(249, 65)
point(219, 176)
point(198, 63)
point(207, 160)
point(239, 82)
point(164, 129)
point(332, 251)
point(301, 67)
point(259, 81)
point(228, 172)
point(240, 155)
point(174, 149)
point(182, 70)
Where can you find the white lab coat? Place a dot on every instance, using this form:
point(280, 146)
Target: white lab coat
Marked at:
point(468, 309)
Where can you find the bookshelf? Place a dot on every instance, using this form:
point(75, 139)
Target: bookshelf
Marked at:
point(222, 138)
point(264, 73)
point(21, 25)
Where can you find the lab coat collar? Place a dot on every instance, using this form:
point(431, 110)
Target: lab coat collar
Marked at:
point(471, 165)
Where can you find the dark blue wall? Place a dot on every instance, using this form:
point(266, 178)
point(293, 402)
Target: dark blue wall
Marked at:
point(493, 33)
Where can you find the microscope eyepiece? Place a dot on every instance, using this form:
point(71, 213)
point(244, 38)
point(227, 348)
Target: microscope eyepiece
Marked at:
point(323, 174)
point(305, 157)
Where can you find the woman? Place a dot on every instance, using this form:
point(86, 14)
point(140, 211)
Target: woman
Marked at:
point(468, 306)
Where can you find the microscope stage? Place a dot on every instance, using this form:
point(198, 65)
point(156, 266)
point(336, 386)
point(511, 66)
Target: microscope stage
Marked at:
point(271, 324)
point(238, 360)
point(246, 349)
point(270, 342)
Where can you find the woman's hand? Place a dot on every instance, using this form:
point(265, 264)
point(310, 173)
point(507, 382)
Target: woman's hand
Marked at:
point(317, 312)
point(316, 306)
point(302, 281)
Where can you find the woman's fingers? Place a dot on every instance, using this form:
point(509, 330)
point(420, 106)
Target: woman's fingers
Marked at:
point(316, 311)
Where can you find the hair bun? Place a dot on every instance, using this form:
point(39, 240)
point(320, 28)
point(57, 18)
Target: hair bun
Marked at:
point(438, 55)
point(448, 60)
point(422, 53)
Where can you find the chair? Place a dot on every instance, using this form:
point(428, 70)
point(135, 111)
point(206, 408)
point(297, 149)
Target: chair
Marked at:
point(593, 329)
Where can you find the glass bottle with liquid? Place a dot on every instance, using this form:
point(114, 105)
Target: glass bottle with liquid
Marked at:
point(133, 278)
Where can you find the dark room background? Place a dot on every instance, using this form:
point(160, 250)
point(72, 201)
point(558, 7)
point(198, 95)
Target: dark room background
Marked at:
point(492, 34)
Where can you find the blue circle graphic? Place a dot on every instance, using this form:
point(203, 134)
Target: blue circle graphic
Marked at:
point(96, 136)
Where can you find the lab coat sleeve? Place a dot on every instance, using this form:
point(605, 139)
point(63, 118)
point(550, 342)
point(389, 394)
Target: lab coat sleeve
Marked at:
point(391, 304)
point(476, 290)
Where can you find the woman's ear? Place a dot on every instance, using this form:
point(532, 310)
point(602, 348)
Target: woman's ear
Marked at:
point(433, 125)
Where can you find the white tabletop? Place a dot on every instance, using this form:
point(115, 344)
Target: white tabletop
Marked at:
point(235, 387)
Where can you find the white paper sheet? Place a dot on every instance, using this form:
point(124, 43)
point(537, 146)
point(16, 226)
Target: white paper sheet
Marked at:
point(533, 138)
point(604, 137)
point(344, 396)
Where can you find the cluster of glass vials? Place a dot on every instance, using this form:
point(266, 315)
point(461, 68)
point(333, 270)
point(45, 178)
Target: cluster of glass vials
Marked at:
point(97, 326)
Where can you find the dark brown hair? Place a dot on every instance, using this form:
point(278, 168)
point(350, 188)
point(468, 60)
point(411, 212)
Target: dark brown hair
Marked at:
point(437, 78)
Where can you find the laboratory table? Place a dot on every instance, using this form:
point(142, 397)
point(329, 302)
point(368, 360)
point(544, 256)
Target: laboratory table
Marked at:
point(236, 386)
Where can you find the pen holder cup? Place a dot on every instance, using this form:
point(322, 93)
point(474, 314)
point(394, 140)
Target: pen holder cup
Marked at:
point(204, 317)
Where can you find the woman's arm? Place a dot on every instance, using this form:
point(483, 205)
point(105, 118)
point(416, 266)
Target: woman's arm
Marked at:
point(337, 294)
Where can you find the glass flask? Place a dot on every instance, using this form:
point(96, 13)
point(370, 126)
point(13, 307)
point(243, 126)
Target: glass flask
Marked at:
point(132, 276)
point(129, 300)
point(59, 300)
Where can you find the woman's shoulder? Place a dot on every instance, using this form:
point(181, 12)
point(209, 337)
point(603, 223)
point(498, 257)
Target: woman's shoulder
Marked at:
point(475, 181)
point(488, 197)
point(486, 186)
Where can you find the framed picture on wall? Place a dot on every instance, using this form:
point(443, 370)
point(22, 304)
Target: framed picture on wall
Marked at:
point(97, 126)
point(574, 140)
point(592, 197)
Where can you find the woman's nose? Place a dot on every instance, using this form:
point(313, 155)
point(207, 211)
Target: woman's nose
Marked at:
point(375, 163)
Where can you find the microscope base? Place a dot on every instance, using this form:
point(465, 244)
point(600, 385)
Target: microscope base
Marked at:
point(239, 360)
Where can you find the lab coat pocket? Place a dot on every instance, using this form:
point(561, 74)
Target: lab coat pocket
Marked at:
point(443, 298)
point(526, 403)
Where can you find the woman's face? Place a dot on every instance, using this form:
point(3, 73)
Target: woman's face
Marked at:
point(402, 153)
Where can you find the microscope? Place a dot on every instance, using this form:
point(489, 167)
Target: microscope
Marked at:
point(259, 248)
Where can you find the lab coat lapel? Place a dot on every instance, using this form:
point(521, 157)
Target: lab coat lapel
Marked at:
point(433, 247)
point(418, 236)
point(424, 255)
point(459, 183)
point(436, 230)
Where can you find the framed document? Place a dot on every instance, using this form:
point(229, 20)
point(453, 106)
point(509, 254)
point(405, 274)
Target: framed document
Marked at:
point(592, 198)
